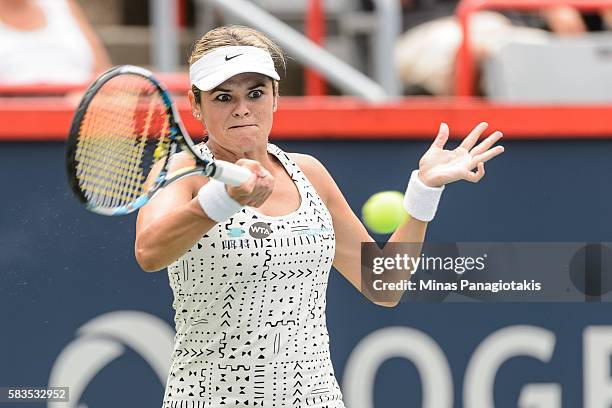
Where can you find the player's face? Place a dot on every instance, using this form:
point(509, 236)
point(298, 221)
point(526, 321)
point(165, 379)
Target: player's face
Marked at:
point(238, 113)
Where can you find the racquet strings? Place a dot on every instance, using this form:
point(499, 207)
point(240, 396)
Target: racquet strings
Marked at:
point(124, 131)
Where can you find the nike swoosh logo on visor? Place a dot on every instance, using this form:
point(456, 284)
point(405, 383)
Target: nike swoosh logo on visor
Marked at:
point(229, 58)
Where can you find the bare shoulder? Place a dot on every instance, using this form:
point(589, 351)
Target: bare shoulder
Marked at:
point(315, 171)
point(305, 161)
point(310, 165)
point(181, 160)
point(178, 161)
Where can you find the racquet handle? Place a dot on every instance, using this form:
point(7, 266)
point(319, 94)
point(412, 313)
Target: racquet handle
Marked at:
point(230, 173)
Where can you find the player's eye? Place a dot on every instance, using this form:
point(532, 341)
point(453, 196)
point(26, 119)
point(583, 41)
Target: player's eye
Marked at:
point(256, 93)
point(223, 98)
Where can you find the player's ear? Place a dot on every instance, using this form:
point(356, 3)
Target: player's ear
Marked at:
point(195, 107)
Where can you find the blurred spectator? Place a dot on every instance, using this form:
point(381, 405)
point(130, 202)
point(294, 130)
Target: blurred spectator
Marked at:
point(47, 41)
point(425, 53)
point(565, 20)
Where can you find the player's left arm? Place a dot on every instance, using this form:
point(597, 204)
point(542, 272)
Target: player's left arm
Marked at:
point(437, 167)
point(348, 229)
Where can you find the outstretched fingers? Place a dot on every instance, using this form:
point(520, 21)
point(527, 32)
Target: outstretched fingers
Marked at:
point(488, 155)
point(487, 143)
point(471, 139)
point(478, 175)
point(442, 136)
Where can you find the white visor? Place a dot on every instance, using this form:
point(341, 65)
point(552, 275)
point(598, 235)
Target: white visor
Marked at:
point(221, 64)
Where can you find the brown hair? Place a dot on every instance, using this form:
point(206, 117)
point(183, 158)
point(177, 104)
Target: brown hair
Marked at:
point(232, 35)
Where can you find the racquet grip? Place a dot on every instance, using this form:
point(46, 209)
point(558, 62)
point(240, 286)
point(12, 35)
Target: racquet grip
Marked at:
point(230, 173)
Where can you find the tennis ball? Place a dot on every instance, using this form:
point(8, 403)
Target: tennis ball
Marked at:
point(384, 212)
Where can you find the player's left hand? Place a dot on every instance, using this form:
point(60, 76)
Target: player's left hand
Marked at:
point(438, 167)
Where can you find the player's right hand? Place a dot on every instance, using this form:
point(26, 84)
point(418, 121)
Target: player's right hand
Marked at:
point(256, 190)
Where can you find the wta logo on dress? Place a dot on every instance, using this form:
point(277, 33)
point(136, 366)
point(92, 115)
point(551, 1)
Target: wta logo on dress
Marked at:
point(260, 230)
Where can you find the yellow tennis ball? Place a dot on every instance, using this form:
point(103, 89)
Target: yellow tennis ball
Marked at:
point(384, 212)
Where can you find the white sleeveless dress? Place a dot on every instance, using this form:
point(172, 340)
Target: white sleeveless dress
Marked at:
point(250, 310)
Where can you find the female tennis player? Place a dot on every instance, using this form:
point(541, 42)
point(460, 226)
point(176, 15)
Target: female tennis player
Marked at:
point(249, 265)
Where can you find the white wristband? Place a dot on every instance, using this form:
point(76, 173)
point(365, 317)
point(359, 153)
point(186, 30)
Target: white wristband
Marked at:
point(216, 202)
point(421, 201)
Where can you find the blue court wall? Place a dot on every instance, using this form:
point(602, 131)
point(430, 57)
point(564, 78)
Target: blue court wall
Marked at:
point(62, 267)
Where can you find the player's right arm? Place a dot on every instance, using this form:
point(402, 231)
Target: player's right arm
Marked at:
point(173, 221)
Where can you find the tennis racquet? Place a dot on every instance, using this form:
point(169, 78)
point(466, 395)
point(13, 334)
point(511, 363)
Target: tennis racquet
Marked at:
point(125, 124)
